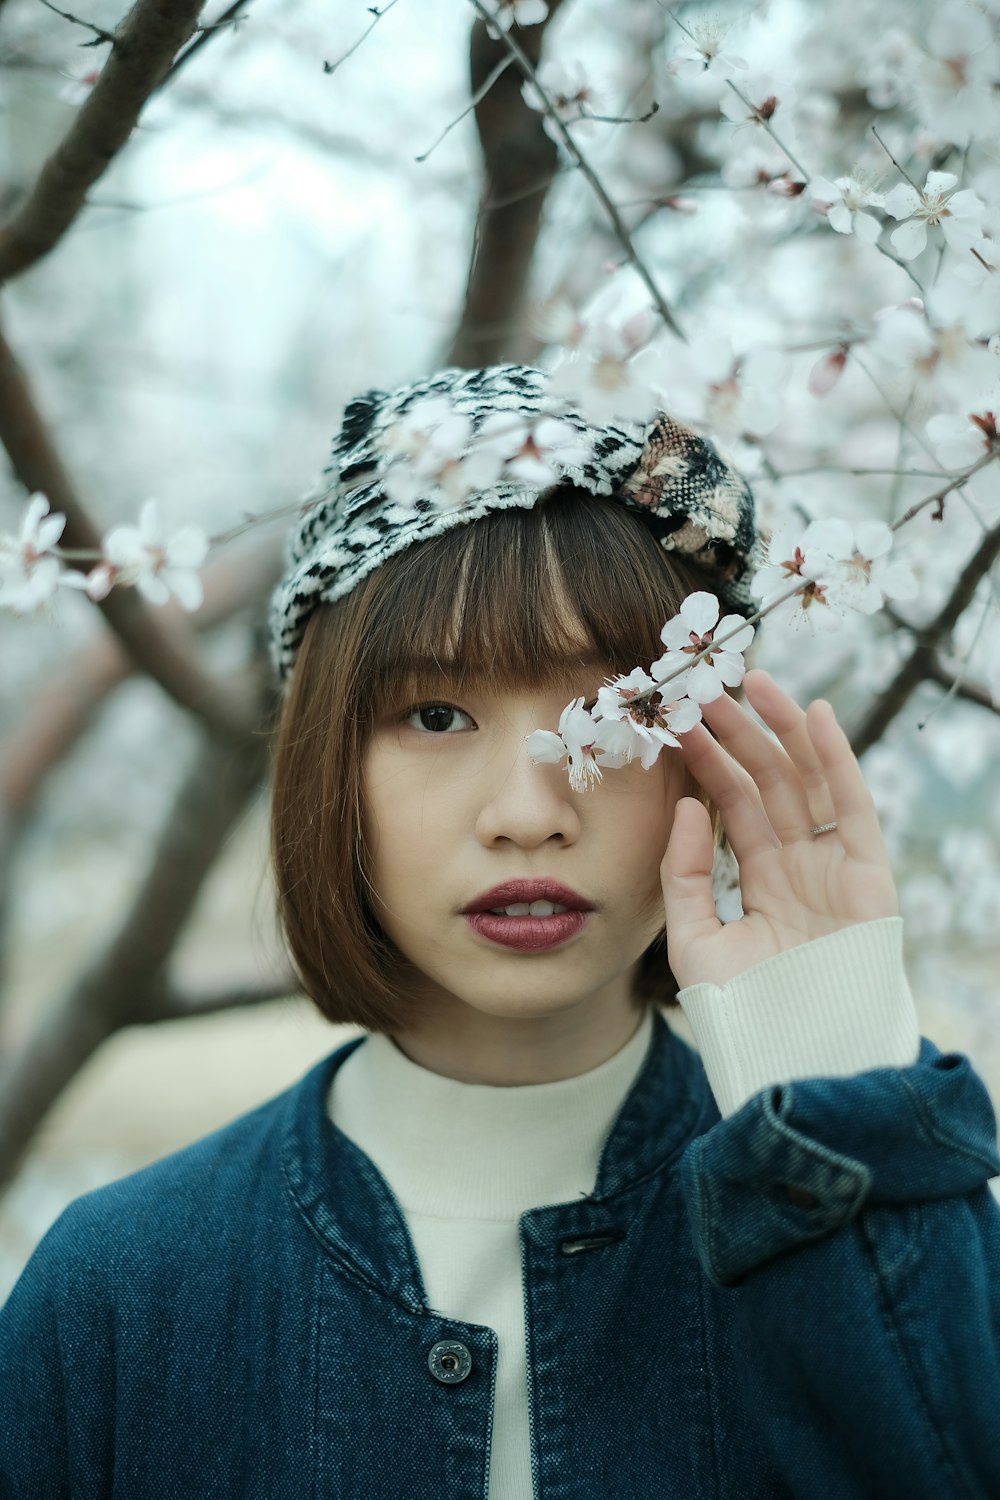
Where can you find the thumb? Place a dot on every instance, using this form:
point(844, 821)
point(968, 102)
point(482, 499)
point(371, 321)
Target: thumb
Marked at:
point(686, 873)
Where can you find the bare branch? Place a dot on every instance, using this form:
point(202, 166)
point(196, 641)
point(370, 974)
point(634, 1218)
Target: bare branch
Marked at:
point(329, 67)
point(920, 664)
point(520, 161)
point(229, 17)
point(169, 658)
point(938, 672)
point(172, 1005)
point(480, 94)
point(128, 977)
point(99, 33)
point(142, 50)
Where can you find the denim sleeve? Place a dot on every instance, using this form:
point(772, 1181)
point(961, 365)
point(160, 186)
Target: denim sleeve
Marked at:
point(854, 1219)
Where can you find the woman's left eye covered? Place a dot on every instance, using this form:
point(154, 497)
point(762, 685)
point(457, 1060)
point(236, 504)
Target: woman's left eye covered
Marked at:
point(437, 718)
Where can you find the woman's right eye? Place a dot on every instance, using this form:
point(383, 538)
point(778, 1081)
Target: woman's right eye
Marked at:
point(436, 718)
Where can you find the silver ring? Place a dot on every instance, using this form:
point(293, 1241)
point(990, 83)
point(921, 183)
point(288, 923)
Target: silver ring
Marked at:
point(822, 828)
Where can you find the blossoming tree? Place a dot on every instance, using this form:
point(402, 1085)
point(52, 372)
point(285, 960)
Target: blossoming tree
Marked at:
point(785, 233)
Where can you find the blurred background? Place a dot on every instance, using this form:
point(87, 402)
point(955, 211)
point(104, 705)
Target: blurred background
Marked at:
point(275, 234)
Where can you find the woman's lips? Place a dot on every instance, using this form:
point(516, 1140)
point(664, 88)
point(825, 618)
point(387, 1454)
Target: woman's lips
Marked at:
point(531, 934)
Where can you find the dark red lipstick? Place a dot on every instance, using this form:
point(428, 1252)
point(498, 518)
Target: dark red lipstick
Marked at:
point(524, 930)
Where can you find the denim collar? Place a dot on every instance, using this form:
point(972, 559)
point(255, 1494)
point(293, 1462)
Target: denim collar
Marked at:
point(350, 1208)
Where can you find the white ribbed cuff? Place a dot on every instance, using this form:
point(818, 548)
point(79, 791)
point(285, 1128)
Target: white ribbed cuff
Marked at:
point(828, 1008)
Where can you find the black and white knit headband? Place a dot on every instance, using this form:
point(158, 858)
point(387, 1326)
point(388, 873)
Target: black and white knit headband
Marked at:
point(355, 516)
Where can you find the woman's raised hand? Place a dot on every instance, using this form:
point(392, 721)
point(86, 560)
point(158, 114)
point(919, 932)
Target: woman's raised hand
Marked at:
point(795, 885)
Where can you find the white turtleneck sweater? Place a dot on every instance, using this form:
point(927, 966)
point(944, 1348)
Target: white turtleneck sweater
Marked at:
point(832, 1007)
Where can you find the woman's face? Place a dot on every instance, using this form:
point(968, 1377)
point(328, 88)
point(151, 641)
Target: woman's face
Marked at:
point(453, 808)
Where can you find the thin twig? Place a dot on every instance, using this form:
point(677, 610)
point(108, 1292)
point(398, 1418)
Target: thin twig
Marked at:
point(617, 221)
point(99, 33)
point(329, 67)
point(144, 45)
point(480, 94)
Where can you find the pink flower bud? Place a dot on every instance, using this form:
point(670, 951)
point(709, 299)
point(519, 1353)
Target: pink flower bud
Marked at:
point(827, 371)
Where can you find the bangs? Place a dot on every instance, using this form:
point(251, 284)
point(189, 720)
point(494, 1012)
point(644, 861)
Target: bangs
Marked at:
point(520, 598)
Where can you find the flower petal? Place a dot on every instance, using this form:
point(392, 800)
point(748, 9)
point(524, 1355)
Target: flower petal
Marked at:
point(909, 239)
point(699, 611)
point(545, 747)
point(704, 684)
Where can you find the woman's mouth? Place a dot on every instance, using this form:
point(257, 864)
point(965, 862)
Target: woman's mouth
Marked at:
point(532, 926)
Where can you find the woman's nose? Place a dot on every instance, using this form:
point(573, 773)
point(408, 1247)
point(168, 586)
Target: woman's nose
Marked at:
point(525, 803)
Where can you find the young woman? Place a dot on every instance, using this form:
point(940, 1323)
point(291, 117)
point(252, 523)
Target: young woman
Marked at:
point(519, 1239)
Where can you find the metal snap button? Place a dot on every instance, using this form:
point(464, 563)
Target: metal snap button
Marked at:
point(449, 1362)
point(800, 1196)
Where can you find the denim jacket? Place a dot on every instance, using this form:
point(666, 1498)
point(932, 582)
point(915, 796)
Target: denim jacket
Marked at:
point(799, 1300)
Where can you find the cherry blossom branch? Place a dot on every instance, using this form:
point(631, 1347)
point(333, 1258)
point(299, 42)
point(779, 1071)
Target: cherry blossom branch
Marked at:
point(934, 633)
point(67, 702)
point(225, 707)
point(617, 222)
point(763, 118)
point(940, 495)
point(127, 980)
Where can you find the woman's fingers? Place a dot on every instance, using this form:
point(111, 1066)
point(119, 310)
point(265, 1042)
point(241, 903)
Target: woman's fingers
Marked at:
point(773, 771)
point(686, 872)
point(857, 820)
point(782, 714)
point(732, 789)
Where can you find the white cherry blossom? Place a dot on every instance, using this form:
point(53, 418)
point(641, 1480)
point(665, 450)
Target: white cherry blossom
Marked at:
point(155, 564)
point(636, 720)
point(602, 378)
point(958, 214)
point(694, 629)
point(854, 564)
point(29, 573)
point(791, 555)
point(432, 456)
point(537, 451)
point(579, 741)
point(712, 385)
point(844, 201)
point(702, 51)
point(508, 13)
point(961, 440)
point(572, 97)
point(953, 84)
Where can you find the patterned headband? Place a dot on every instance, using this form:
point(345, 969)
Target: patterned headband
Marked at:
point(381, 492)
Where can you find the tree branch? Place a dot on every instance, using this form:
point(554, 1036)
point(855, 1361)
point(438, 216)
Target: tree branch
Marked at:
point(520, 161)
point(124, 982)
point(920, 664)
point(173, 1005)
point(943, 675)
point(168, 657)
point(143, 48)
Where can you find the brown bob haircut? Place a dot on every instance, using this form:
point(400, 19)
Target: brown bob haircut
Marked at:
point(501, 599)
